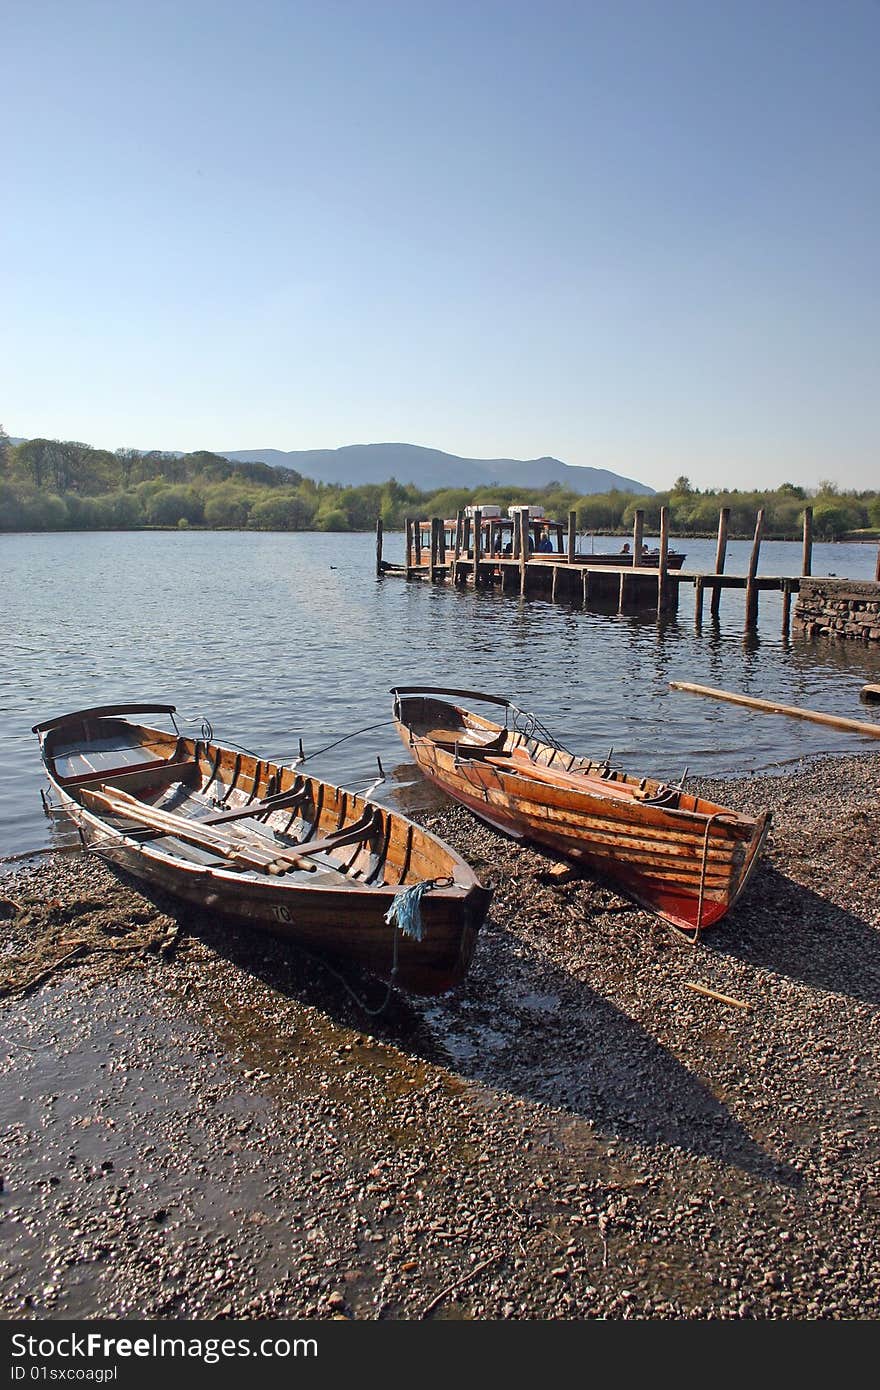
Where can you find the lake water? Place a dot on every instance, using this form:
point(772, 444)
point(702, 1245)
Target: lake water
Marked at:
point(277, 637)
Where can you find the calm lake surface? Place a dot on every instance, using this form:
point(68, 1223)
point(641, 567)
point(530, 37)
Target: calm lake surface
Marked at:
point(277, 637)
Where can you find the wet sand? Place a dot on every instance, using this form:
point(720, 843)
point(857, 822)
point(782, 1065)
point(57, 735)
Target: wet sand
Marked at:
point(208, 1125)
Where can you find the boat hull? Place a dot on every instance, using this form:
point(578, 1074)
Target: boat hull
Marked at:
point(315, 907)
point(686, 863)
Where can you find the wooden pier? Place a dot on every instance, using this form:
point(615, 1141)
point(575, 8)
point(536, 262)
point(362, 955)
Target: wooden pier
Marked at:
point(478, 558)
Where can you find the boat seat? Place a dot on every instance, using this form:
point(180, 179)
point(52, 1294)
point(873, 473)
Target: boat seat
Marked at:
point(352, 834)
point(148, 774)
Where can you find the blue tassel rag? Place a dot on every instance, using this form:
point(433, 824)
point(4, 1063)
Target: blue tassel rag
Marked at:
point(405, 910)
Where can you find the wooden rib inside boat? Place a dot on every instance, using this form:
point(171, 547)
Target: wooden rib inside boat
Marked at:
point(264, 844)
point(682, 857)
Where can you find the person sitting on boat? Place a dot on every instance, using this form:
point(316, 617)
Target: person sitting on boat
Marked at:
point(624, 549)
point(545, 544)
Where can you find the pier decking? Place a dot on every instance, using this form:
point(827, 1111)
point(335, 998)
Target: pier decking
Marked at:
point(477, 558)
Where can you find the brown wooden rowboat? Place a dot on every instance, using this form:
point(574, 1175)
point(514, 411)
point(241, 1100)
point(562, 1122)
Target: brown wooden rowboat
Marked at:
point(682, 857)
point(266, 845)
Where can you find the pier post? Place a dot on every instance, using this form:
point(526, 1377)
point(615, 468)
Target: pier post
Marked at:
point(522, 520)
point(441, 543)
point(379, 570)
point(555, 584)
point(786, 606)
point(807, 562)
point(417, 540)
point(720, 555)
point(572, 524)
point(877, 570)
point(638, 532)
point(698, 602)
point(478, 540)
point(587, 578)
point(409, 545)
point(459, 527)
point(621, 593)
point(751, 585)
point(435, 543)
point(663, 561)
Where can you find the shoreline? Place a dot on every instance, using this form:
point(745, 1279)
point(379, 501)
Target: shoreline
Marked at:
point(207, 1125)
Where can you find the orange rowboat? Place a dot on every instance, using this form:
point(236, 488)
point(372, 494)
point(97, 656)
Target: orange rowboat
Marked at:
point(682, 857)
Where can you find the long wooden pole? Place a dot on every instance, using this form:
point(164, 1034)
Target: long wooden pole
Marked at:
point(853, 726)
point(751, 584)
point(720, 556)
point(663, 561)
point(478, 540)
point(572, 524)
point(638, 532)
point(522, 519)
point(786, 607)
point(807, 562)
point(379, 545)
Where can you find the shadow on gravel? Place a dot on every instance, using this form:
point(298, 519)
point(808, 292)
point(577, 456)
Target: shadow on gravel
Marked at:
point(532, 1030)
point(785, 927)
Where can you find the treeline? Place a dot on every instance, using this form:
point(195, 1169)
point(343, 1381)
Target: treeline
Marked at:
point(47, 485)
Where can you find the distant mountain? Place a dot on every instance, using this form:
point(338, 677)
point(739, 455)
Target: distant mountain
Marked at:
point(430, 469)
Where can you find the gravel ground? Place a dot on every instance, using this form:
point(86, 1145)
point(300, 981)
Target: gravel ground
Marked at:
point(201, 1123)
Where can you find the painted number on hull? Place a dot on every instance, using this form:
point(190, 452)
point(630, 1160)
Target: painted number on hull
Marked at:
point(282, 913)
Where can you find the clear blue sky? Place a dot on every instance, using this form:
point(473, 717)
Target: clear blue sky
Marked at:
point(641, 236)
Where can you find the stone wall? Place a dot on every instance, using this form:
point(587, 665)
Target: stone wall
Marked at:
point(838, 608)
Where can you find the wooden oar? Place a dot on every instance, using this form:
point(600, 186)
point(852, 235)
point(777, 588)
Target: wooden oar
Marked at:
point(853, 726)
point(269, 860)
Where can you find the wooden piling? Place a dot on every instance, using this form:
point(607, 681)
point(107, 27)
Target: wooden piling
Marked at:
point(621, 592)
point(877, 570)
point(409, 545)
point(638, 533)
point(555, 583)
point(807, 562)
point(417, 541)
point(720, 556)
point(379, 569)
point(698, 602)
point(459, 528)
point(441, 543)
point(663, 561)
point(572, 525)
point(786, 607)
point(587, 585)
point(478, 540)
point(522, 517)
point(432, 554)
point(751, 586)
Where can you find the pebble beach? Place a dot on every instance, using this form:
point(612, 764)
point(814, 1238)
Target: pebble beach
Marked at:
point(204, 1123)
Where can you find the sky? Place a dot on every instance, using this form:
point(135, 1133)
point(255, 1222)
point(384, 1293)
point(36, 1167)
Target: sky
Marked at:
point(640, 235)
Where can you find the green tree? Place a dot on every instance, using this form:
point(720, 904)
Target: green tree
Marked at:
point(833, 519)
point(226, 506)
point(333, 519)
point(169, 504)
